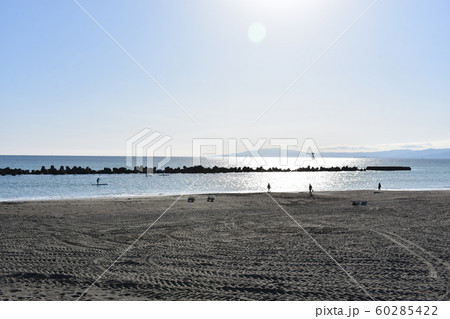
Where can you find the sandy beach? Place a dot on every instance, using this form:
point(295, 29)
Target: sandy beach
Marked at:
point(239, 247)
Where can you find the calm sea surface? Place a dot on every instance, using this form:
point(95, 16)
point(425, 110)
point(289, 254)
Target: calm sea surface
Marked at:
point(425, 174)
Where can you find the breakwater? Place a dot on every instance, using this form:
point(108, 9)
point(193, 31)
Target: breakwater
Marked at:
point(77, 170)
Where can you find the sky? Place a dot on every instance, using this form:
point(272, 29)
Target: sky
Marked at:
point(351, 75)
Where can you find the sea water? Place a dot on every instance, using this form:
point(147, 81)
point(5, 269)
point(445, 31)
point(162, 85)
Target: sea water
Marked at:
point(426, 174)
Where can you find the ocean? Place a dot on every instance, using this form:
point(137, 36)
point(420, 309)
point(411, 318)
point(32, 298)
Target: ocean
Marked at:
point(426, 174)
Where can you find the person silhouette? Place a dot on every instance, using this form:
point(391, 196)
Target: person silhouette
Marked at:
point(268, 187)
point(98, 181)
point(379, 186)
point(310, 190)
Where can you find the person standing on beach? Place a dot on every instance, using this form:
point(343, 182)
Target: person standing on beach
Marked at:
point(310, 190)
point(268, 188)
point(379, 186)
point(98, 181)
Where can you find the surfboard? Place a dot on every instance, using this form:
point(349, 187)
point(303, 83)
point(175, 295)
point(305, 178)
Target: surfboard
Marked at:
point(98, 184)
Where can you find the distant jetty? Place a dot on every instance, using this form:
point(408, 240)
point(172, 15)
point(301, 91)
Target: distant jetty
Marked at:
point(78, 170)
point(388, 168)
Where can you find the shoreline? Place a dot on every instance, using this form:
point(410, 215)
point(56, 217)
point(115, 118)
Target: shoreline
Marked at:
point(45, 199)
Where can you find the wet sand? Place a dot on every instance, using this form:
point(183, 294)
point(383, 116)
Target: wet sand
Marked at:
point(239, 247)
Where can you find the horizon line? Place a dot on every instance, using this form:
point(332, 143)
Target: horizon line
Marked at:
point(292, 150)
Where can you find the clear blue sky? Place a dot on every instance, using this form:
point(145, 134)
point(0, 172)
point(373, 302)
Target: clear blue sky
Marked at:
point(67, 88)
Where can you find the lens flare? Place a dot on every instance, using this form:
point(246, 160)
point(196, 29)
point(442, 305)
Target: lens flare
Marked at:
point(256, 32)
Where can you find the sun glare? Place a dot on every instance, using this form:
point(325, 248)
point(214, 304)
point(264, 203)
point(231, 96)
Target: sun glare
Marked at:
point(280, 8)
